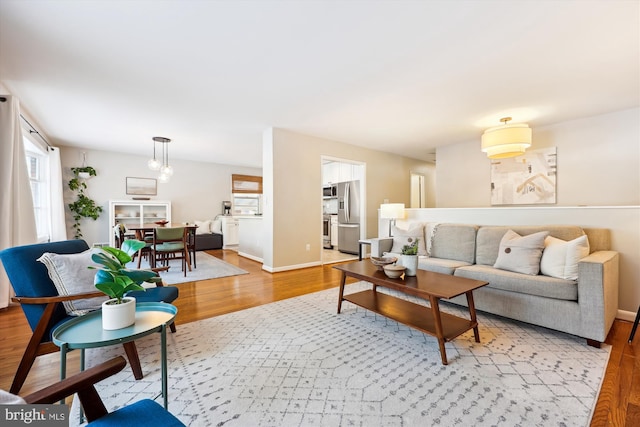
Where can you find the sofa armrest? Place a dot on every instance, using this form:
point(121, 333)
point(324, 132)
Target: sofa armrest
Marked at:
point(598, 293)
point(380, 245)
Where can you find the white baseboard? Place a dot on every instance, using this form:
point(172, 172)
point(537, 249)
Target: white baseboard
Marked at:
point(626, 315)
point(290, 267)
point(253, 257)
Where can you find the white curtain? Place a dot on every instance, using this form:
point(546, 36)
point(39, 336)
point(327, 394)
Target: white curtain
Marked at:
point(17, 219)
point(58, 225)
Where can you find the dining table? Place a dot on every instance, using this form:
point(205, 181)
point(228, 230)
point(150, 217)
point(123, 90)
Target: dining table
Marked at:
point(144, 229)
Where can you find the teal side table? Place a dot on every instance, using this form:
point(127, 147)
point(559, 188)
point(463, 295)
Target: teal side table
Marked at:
point(86, 332)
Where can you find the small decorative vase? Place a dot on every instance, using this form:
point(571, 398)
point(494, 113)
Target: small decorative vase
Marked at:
point(118, 316)
point(410, 262)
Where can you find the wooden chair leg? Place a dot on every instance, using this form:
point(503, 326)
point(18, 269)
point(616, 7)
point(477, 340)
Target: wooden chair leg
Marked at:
point(32, 350)
point(134, 360)
point(172, 326)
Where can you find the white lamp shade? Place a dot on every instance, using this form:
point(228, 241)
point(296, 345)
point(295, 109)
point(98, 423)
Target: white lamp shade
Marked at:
point(392, 210)
point(506, 141)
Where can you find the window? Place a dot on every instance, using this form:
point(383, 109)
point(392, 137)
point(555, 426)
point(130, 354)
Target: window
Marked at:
point(246, 184)
point(38, 169)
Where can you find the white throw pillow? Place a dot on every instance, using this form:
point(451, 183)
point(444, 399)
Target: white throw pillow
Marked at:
point(204, 227)
point(521, 254)
point(560, 258)
point(70, 275)
point(406, 237)
point(216, 226)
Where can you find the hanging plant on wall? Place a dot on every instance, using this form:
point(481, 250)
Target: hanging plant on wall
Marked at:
point(83, 207)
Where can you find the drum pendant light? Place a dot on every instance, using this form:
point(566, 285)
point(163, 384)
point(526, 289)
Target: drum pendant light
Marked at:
point(508, 140)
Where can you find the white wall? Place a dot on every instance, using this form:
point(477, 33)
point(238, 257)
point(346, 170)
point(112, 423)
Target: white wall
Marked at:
point(196, 190)
point(293, 199)
point(598, 164)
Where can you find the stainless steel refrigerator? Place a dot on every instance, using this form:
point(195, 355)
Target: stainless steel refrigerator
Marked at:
point(348, 216)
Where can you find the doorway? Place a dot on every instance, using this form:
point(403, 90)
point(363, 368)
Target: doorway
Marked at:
point(339, 179)
point(418, 191)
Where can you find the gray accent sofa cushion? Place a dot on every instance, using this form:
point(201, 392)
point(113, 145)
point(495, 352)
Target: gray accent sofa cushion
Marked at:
point(444, 266)
point(543, 286)
point(455, 242)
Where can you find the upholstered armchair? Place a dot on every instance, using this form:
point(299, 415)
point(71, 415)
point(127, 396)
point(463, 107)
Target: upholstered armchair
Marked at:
point(143, 412)
point(43, 306)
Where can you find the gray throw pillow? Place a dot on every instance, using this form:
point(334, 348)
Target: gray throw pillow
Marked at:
point(70, 275)
point(521, 254)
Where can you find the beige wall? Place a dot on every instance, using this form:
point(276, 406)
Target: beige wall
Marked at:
point(293, 179)
point(196, 190)
point(598, 164)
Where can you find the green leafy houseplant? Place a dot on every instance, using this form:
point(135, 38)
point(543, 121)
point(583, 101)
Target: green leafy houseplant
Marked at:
point(411, 248)
point(113, 278)
point(83, 207)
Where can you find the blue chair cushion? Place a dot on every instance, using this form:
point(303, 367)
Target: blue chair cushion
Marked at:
point(169, 247)
point(166, 294)
point(143, 413)
point(30, 278)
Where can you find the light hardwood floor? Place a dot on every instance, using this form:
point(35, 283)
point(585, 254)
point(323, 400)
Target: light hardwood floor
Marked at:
point(618, 403)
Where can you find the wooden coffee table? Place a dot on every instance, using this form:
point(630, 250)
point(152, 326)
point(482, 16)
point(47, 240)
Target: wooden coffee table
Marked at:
point(427, 285)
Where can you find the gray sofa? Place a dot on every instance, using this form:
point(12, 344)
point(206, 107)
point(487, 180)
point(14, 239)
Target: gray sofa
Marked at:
point(585, 307)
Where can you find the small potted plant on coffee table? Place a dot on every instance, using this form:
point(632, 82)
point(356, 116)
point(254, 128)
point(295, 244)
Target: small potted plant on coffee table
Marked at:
point(409, 256)
point(114, 279)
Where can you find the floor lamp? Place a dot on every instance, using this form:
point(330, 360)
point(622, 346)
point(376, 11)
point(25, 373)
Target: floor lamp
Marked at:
point(391, 211)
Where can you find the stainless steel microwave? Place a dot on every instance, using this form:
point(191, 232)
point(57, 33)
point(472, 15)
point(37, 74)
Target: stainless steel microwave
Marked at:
point(329, 191)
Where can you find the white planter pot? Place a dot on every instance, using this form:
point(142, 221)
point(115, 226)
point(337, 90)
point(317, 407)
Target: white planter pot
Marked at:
point(410, 262)
point(118, 316)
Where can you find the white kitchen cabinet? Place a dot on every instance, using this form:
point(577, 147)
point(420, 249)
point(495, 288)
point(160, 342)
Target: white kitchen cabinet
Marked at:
point(330, 173)
point(136, 212)
point(230, 232)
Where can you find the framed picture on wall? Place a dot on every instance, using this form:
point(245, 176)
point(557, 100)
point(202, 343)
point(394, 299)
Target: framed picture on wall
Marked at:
point(529, 179)
point(142, 186)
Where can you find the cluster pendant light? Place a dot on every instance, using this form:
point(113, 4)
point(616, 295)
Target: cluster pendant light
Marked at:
point(162, 165)
point(508, 140)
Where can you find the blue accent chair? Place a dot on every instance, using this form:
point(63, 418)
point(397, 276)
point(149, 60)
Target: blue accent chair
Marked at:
point(142, 413)
point(42, 306)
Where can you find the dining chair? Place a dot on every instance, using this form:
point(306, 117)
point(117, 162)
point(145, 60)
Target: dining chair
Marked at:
point(42, 303)
point(121, 231)
point(170, 243)
point(142, 412)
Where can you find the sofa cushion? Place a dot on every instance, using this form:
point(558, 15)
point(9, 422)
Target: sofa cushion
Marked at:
point(444, 266)
point(70, 273)
point(216, 226)
point(405, 237)
point(204, 227)
point(521, 254)
point(560, 258)
point(454, 241)
point(543, 286)
point(488, 238)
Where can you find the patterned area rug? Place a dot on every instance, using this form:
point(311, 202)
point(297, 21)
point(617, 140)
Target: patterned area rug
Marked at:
point(209, 267)
point(298, 363)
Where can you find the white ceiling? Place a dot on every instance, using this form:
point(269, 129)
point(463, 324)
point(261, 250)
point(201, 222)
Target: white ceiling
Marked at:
point(401, 76)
